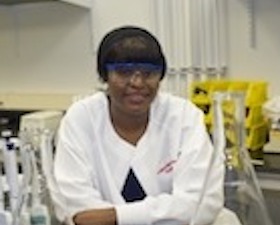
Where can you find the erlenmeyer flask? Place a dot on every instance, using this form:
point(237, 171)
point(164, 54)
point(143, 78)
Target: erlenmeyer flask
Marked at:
point(243, 195)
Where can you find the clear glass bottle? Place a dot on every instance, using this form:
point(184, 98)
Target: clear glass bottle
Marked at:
point(243, 195)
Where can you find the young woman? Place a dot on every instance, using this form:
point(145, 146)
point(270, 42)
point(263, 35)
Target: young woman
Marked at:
point(133, 155)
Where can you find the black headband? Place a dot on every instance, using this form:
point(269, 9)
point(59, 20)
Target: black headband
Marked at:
point(118, 35)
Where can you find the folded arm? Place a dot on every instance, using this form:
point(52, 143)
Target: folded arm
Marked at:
point(96, 216)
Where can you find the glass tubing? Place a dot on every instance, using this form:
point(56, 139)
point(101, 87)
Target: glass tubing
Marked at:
point(243, 196)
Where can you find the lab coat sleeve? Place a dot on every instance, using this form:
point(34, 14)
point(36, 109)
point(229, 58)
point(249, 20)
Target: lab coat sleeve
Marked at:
point(75, 182)
point(197, 195)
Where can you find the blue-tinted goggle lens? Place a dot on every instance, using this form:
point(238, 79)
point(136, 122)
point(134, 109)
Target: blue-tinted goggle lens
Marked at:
point(130, 68)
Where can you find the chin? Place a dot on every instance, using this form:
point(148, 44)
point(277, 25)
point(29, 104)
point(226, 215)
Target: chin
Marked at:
point(137, 111)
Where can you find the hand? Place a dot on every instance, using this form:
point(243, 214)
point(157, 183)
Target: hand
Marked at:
point(96, 217)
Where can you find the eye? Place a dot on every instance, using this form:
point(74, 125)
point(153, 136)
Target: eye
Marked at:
point(124, 70)
point(146, 72)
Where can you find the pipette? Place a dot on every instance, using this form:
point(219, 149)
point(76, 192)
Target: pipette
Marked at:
point(5, 216)
point(25, 149)
point(11, 169)
point(39, 212)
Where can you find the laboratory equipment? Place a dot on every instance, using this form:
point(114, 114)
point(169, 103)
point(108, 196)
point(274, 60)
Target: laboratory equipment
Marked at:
point(32, 209)
point(36, 145)
point(11, 169)
point(39, 212)
point(5, 215)
point(243, 195)
point(40, 120)
point(38, 133)
point(36, 122)
point(23, 204)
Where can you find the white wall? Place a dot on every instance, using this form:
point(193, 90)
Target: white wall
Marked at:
point(48, 47)
point(263, 61)
point(45, 47)
point(110, 14)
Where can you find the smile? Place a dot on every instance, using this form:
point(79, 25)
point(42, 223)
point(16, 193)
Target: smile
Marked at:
point(136, 98)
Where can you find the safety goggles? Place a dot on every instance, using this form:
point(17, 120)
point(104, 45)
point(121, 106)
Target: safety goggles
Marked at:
point(126, 70)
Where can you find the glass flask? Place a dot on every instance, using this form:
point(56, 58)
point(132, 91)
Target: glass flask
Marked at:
point(243, 195)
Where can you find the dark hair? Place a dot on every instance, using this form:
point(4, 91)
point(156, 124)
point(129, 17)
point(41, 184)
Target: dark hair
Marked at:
point(129, 44)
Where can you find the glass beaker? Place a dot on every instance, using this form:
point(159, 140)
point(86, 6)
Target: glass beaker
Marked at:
point(243, 195)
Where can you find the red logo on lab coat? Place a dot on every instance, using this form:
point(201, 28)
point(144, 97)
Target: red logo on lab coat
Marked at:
point(167, 168)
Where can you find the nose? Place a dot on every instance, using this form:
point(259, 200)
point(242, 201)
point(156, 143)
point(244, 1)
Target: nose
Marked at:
point(136, 79)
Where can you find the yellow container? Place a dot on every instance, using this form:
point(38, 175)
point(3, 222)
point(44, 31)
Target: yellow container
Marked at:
point(257, 128)
point(254, 115)
point(255, 95)
point(255, 91)
point(257, 136)
point(200, 93)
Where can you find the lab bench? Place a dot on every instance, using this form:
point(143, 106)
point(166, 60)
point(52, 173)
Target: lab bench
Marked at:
point(269, 179)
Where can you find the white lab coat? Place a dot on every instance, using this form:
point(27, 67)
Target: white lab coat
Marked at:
point(171, 160)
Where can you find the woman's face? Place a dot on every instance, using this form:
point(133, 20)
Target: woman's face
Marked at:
point(132, 87)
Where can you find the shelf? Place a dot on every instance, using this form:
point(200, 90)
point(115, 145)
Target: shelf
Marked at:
point(35, 101)
point(80, 3)
point(13, 2)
